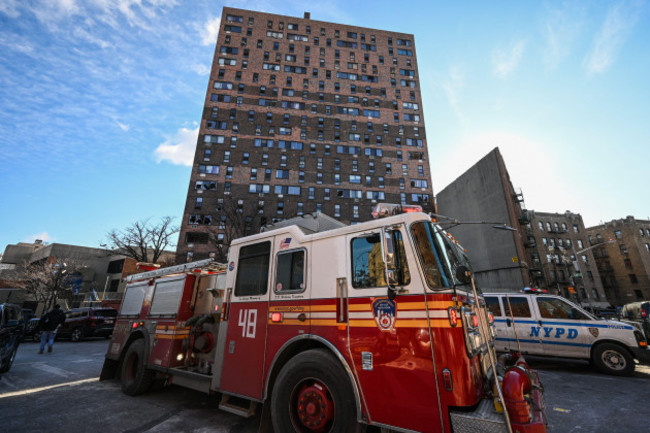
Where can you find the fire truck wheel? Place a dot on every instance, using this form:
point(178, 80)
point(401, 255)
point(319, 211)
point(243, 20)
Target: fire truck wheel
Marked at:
point(135, 377)
point(312, 394)
point(613, 359)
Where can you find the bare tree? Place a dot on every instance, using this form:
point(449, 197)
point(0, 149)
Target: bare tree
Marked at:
point(48, 280)
point(143, 241)
point(231, 221)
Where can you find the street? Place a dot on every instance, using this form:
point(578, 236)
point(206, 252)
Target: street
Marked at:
point(59, 392)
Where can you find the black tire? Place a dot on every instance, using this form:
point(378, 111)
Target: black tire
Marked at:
point(36, 337)
point(317, 380)
point(77, 335)
point(7, 364)
point(613, 359)
point(135, 377)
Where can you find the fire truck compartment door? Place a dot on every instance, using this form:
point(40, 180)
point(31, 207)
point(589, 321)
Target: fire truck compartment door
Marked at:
point(244, 354)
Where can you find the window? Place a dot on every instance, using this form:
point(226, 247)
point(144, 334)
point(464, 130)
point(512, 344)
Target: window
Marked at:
point(519, 306)
point(253, 270)
point(554, 308)
point(367, 262)
point(493, 306)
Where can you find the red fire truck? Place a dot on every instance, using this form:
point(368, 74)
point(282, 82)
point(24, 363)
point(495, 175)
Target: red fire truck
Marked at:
point(375, 324)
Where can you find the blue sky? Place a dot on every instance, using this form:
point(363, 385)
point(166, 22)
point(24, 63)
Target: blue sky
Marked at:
point(100, 102)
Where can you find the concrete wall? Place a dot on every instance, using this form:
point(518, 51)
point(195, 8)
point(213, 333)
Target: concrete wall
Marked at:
point(479, 195)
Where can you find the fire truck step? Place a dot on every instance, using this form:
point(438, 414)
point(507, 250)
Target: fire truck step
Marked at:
point(484, 419)
point(238, 406)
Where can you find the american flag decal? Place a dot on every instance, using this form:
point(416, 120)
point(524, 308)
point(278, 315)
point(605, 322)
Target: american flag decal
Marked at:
point(285, 243)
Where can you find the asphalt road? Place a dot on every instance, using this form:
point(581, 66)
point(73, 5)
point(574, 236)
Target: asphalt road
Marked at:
point(60, 392)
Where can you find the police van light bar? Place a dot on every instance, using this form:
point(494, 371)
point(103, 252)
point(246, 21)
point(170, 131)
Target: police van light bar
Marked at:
point(388, 209)
point(533, 290)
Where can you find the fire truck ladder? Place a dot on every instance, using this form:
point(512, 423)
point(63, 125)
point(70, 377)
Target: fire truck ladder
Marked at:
point(207, 266)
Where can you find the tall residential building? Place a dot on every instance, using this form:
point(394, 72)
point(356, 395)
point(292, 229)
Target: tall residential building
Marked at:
point(562, 260)
point(303, 116)
point(622, 253)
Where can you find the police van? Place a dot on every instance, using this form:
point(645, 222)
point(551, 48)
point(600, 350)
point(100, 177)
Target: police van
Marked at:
point(548, 325)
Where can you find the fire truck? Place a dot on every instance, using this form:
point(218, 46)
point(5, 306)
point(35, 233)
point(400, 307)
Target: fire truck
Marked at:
point(375, 324)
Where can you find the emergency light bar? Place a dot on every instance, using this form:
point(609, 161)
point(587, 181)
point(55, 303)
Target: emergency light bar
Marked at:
point(389, 209)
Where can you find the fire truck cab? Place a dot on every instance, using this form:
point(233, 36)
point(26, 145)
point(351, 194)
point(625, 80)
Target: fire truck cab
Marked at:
point(371, 324)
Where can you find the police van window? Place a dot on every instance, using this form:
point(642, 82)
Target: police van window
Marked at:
point(554, 308)
point(519, 306)
point(367, 262)
point(290, 275)
point(253, 269)
point(493, 305)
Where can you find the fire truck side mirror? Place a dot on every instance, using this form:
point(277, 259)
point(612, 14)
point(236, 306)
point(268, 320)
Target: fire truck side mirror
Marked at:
point(463, 274)
point(389, 258)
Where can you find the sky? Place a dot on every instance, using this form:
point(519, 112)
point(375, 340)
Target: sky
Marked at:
point(100, 102)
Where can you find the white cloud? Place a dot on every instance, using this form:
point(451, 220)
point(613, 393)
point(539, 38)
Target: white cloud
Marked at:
point(10, 8)
point(124, 127)
point(200, 69)
point(210, 30)
point(44, 236)
point(619, 21)
point(561, 27)
point(179, 150)
point(504, 61)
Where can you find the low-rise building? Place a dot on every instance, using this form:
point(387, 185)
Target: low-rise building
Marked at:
point(622, 254)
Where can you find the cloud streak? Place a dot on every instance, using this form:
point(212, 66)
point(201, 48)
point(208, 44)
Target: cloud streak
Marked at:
point(506, 61)
point(619, 21)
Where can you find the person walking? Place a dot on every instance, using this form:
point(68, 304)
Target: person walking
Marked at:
point(48, 325)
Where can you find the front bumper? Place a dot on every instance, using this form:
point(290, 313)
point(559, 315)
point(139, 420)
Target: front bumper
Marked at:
point(642, 354)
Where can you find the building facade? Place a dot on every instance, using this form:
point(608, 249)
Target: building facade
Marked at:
point(622, 254)
point(500, 259)
point(303, 116)
point(562, 260)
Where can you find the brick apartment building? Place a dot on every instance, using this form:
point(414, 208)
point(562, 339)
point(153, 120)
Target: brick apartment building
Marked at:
point(562, 260)
point(303, 116)
point(622, 254)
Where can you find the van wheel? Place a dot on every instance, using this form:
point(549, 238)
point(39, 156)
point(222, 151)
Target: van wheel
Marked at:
point(613, 359)
point(135, 377)
point(77, 335)
point(312, 394)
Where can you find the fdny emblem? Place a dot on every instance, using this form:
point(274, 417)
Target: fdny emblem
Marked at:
point(594, 332)
point(384, 311)
point(231, 266)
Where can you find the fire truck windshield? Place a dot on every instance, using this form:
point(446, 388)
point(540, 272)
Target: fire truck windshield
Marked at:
point(439, 256)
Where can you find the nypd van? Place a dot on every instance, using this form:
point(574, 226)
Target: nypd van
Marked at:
point(548, 325)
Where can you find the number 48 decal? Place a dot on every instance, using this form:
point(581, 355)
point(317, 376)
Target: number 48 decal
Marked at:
point(248, 322)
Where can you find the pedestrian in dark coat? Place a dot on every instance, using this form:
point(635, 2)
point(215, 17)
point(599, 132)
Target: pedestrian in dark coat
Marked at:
point(48, 325)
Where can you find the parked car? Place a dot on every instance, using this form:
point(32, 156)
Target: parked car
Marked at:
point(88, 322)
point(11, 332)
point(638, 312)
point(548, 325)
point(32, 330)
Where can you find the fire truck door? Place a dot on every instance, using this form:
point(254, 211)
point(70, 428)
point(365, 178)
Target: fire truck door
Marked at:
point(243, 359)
point(389, 339)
